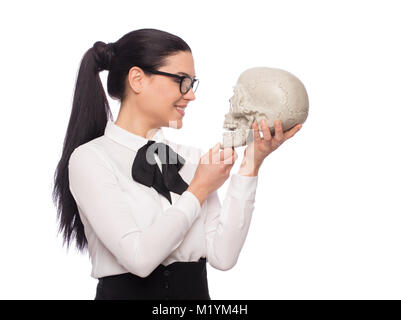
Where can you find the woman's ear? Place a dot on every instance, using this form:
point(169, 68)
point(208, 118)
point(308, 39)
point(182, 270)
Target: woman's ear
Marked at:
point(135, 79)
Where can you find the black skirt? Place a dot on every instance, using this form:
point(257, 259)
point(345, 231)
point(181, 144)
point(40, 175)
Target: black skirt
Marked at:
point(177, 281)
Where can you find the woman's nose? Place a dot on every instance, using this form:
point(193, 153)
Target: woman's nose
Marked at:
point(190, 95)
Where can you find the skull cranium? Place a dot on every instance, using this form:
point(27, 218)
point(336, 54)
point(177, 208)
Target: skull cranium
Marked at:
point(264, 93)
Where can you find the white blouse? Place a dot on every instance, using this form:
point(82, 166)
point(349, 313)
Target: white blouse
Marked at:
point(132, 228)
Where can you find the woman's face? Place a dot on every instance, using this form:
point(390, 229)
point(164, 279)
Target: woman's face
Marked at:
point(161, 94)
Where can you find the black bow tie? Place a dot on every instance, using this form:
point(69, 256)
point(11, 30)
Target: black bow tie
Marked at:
point(148, 173)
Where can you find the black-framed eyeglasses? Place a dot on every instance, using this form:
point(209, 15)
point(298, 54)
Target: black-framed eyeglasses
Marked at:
point(186, 82)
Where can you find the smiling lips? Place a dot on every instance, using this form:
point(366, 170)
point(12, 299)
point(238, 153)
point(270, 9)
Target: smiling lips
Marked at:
point(180, 110)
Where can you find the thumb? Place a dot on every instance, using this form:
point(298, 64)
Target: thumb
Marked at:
point(215, 154)
point(216, 147)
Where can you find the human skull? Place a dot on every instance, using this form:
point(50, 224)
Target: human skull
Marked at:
point(264, 93)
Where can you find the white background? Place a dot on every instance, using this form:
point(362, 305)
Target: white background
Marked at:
point(326, 223)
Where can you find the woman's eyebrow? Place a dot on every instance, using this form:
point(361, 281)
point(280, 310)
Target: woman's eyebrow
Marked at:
point(186, 74)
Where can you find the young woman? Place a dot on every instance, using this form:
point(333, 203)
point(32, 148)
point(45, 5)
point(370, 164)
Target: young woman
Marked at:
point(150, 222)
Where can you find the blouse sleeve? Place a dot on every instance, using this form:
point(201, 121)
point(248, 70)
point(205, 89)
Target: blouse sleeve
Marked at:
point(97, 192)
point(227, 226)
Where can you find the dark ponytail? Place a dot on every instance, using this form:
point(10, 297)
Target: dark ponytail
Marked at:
point(146, 48)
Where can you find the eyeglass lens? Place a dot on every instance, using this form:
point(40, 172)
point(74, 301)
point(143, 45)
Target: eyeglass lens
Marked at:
point(186, 85)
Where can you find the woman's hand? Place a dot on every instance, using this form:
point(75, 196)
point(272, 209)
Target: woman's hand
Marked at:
point(213, 170)
point(260, 148)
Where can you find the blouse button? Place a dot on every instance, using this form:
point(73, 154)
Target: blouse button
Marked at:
point(166, 285)
point(166, 272)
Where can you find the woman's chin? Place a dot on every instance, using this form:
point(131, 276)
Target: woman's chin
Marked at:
point(177, 124)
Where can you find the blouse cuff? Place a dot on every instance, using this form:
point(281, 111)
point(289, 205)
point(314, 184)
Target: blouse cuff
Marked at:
point(189, 204)
point(243, 187)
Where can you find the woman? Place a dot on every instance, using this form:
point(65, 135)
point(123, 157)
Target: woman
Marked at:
point(150, 223)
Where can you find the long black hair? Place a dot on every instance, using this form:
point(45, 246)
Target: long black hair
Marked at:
point(146, 48)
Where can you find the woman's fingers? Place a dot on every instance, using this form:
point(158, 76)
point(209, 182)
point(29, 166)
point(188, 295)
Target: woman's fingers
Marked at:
point(256, 135)
point(225, 153)
point(228, 156)
point(278, 134)
point(216, 147)
point(213, 154)
point(290, 133)
point(266, 130)
point(218, 156)
point(278, 130)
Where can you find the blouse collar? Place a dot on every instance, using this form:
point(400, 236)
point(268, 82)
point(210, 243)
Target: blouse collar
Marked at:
point(130, 139)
